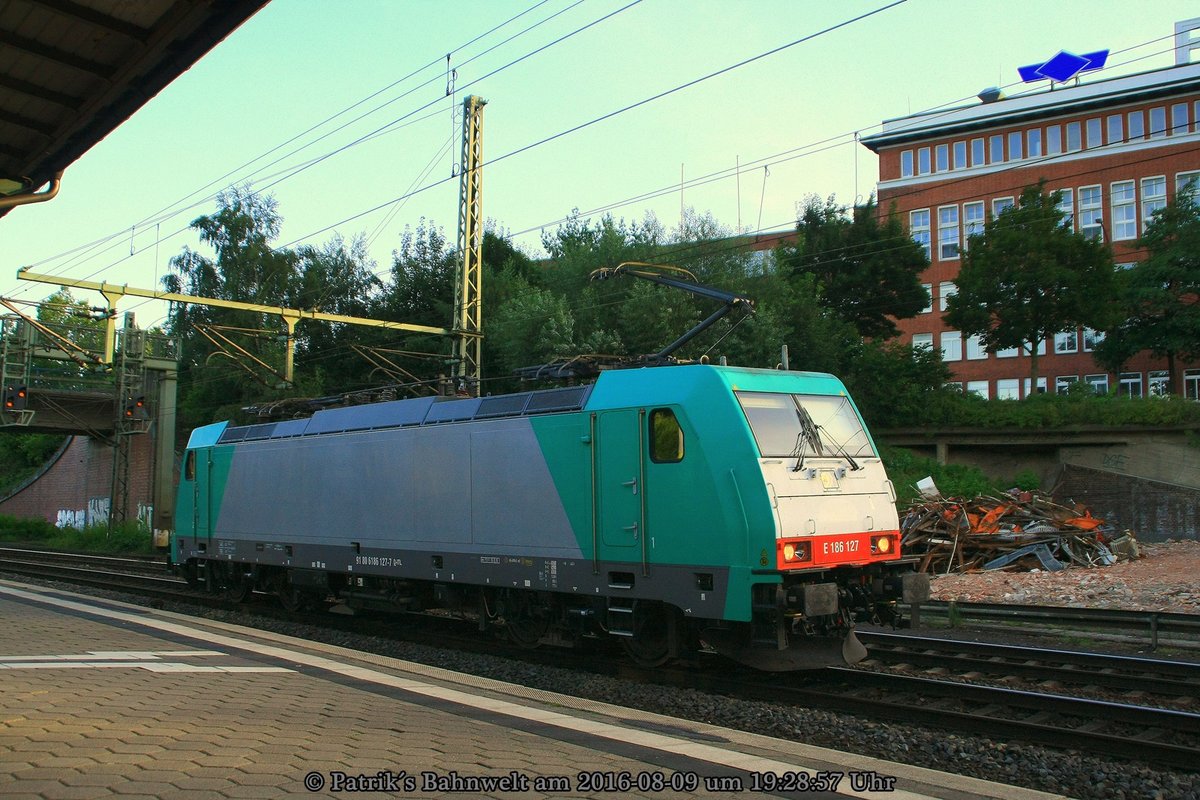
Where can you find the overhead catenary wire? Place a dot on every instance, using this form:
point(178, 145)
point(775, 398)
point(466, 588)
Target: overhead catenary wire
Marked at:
point(163, 214)
point(409, 194)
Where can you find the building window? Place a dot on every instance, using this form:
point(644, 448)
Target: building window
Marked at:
point(975, 351)
point(977, 159)
point(1041, 387)
point(1091, 338)
point(1116, 130)
point(1137, 125)
point(1187, 186)
point(973, 220)
point(1066, 342)
point(996, 149)
point(1124, 214)
point(1000, 204)
point(928, 287)
point(1066, 205)
point(1008, 389)
point(1154, 198)
point(1054, 140)
point(951, 346)
point(1074, 142)
point(923, 161)
point(943, 157)
point(978, 388)
point(1158, 383)
point(960, 155)
point(924, 340)
point(1034, 138)
point(1179, 118)
point(1130, 384)
point(1095, 137)
point(1191, 384)
point(948, 235)
point(1158, 122)
point(918, 226)
point(1014, 146)
point(906, 164)
point(1099, 383)
point(1008, 352)
point(946, 290)
point(1063, 383)
point(1041, 348)
point(1091, 212)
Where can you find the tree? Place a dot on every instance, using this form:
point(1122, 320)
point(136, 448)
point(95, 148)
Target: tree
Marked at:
point(868, 269)
point(1028, 277)
point(246, 268)
point(1160, 295)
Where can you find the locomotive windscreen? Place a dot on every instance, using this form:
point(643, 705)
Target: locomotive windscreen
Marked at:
point(785, 424)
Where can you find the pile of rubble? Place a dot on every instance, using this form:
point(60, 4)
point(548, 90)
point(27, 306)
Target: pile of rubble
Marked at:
point(1017, 531)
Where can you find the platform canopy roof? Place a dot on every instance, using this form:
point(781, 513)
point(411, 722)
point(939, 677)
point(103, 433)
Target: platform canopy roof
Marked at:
point(71, 71)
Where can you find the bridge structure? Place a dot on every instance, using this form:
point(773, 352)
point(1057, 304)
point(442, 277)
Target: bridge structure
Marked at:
point(54, 380)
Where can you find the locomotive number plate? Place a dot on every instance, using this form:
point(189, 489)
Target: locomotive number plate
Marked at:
point(836, 549)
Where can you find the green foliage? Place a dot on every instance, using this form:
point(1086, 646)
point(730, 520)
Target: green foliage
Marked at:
point(1068, 411)
point(1158, 295)
point(1028, 277)
point(868, 270)
point(129, 537)
point(22, 455)
point(897, 386)
point(905, 468)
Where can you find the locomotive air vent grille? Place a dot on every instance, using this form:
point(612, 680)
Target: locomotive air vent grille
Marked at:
point(505, 405)
point(568, 399)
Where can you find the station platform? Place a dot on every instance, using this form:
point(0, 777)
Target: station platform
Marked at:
point(104, 699)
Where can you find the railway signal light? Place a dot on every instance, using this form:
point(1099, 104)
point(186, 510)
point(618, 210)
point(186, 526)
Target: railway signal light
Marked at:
point(15, 398)
point(135, 408)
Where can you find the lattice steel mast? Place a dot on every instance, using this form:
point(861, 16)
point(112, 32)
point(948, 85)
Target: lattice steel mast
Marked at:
point(468, 269)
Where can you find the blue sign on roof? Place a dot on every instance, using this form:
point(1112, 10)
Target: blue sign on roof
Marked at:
point(1063, 67)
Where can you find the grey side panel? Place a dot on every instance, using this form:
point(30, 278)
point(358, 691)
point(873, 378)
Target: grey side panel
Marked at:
point(479, 486)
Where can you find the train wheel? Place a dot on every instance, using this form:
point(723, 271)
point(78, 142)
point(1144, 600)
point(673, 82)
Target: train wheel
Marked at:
point(292, 599)
point(652, 642)
point(238, 585)
point(190, 574)
point(525, 623)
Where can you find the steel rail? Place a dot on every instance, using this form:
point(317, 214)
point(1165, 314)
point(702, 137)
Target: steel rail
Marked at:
point(1123, 672)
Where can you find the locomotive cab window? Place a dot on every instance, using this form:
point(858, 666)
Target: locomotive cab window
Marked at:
point(189, 466)
point(666, 437)
point(794, 425)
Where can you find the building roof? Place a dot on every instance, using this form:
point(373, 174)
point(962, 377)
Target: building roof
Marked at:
point(71, 71)
point(1035, 105)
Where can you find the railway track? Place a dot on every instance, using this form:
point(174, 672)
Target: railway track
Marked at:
point(1177, 681)
point(1154, 627)
point(1128, 730)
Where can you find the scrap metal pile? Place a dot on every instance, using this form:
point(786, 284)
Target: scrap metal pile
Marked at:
point(1019, 531)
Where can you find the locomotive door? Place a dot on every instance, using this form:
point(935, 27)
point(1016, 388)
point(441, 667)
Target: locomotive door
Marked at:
point(620, 479)
point(202, 493)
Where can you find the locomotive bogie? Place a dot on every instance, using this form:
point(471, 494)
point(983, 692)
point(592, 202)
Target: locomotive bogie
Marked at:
point(656, 505)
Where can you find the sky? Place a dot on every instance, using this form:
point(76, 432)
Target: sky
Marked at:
point(258, 108)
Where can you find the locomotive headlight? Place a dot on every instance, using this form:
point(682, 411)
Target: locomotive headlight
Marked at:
point(789, 552)
point(882, 544)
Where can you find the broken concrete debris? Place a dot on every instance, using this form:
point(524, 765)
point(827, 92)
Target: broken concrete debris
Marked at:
point(1018, 531)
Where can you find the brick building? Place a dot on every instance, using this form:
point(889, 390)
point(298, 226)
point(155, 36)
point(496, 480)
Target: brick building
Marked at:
point(1117, 148)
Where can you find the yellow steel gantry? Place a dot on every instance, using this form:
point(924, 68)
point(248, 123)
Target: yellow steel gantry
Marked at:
point(291, 316)
point(468, 268)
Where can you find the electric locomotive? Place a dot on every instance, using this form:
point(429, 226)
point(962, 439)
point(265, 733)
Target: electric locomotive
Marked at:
point(680, 509)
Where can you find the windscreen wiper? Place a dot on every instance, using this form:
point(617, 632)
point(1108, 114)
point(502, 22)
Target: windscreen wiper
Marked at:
point(809, 434)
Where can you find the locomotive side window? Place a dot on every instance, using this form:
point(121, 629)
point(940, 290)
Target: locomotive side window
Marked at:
point(189, 466)
point(666, 437)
